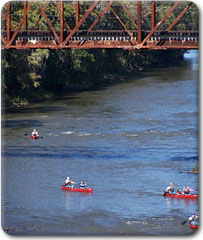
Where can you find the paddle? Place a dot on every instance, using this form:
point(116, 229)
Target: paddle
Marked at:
point(184, 222)
point(164, 193)
point(190, 219)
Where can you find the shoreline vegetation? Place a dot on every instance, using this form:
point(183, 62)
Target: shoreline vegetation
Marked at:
point(38, 75)
point(35, 75)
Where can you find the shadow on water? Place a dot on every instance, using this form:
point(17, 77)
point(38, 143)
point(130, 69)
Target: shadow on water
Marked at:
point(161, 75)
point(43, 152)
point(184, 158)
point(21, 123)
point(33, 109)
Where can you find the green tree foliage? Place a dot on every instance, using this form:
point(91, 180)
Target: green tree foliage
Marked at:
point(38, 72)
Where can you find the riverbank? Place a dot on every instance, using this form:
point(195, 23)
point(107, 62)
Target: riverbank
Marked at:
point(41, 95)
point(23, 96)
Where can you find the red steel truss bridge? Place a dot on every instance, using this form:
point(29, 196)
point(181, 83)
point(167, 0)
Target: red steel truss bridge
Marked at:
point(99, 24)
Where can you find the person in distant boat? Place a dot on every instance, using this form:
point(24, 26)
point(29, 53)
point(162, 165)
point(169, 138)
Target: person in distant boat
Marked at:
point(35, 133)
point(170, 188)
point(194, 217)
point(178, 191)
point(187, 189)
point(69, 182)
point(83, 184)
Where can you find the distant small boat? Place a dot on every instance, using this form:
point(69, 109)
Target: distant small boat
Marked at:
point(34, 137)
point(194, 225)
point(188, 196)
point(74, 189)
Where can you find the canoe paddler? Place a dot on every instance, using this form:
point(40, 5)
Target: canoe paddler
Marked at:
point(194, 217)
point(35, 133)
point(187, 189)
point(83, 184)
point(69, 182)
point(170, 188)
point(178, 191)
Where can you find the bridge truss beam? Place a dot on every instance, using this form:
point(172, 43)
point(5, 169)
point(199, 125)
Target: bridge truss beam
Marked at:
point(67, 35)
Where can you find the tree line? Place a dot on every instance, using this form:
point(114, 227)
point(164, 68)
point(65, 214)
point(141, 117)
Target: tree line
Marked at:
point(37, 74)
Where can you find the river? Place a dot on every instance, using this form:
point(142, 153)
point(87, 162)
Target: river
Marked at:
point(127, 141)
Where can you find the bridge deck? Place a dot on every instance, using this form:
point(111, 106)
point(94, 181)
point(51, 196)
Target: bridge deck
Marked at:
point(105, 39)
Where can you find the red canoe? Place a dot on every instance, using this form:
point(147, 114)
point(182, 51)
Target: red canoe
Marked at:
point(193, 226)
point(89, 190)
point(34, 137)
point(188, 196)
